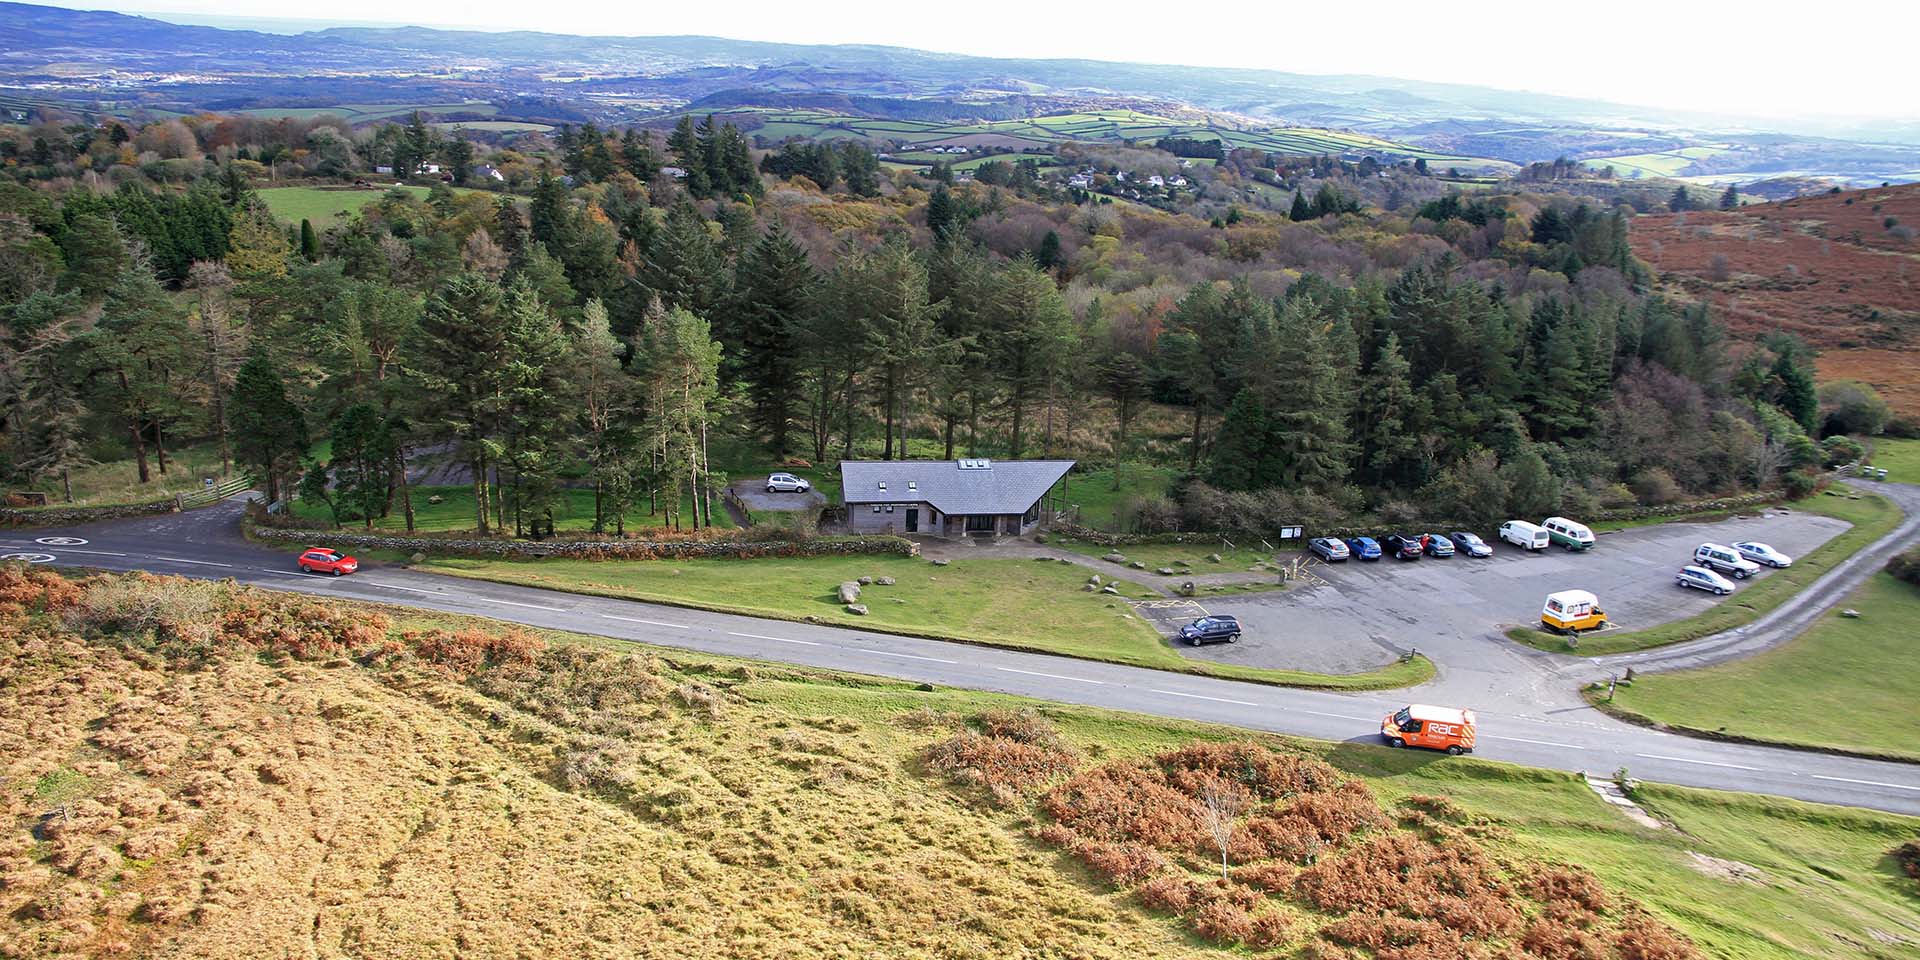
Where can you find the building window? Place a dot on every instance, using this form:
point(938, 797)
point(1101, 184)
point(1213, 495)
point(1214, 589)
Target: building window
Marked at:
point(889, 508)
point(876, 508)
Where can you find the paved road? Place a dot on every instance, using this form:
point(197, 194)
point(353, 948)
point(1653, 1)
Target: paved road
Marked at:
point(206, 544)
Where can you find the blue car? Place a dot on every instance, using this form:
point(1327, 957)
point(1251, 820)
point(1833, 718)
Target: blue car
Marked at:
point(1363, 548)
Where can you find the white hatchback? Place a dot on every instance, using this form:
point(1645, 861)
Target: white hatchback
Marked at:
point(787, 483)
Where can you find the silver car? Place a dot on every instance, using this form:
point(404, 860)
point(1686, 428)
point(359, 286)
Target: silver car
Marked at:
point(1763, 554)
point(1329, 549)
point(787, 483)
point(1700, 578)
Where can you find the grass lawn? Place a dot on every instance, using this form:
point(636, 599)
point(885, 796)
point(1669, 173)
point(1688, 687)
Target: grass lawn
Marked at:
point(1181, 557)
point(118, 481)
point(1008, 603)
point(1871, 517)
point(327, 206)
point(455, 512)
point(1862, 674)
point(1901, 458)
point(1094, 491)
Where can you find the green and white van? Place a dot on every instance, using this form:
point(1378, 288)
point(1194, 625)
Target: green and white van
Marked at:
point(1568, 533)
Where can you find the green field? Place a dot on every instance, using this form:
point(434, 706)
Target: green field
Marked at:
point(1872, 517)
point(1010, 603)
point(497, 126)
point(1846, 684)
point(455, 511)
point(1901, 458)
point(329, 206)
point(359, 113)
point(1118, 126)
point(1668, 163)
point(1093, 491)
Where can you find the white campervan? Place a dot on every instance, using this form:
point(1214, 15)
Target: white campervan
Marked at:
point(1525, 535)
point(1569, 533)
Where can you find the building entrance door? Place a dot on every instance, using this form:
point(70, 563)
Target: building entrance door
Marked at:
point(913, 519)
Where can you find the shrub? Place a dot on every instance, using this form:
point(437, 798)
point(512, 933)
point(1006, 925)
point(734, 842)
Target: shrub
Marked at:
point(1121, 864)
point(1553, 940)
point(1642, 938)
point(1654, 486)
point(1126, 802)
point(1227, 923)
point(1800, 483)
point(1907, 855)
point(1569, 885)
point(1398, 872)
point(467, 652)
point(1837, 450)
point(1266, 774)
point(29, 589)
point(1007, 769)
point(1167, 894)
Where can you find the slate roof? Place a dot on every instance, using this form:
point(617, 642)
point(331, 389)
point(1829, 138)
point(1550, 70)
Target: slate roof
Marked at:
point(1005, 487)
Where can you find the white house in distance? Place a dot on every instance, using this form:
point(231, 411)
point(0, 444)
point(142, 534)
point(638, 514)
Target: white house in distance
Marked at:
point(948, 498)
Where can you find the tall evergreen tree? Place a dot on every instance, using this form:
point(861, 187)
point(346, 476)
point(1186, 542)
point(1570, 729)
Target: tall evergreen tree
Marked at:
point(269, 430)
point(1731, 199)
point(1300, 211)
point(775, 289)
point(459, 363)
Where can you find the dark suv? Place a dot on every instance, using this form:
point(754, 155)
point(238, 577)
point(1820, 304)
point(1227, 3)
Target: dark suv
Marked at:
point(1402, 546)
point(1211, 630)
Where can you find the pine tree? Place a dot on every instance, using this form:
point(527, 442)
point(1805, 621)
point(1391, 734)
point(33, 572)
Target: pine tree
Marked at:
point(943, 220)
point(884, 296)
point(637, 156)
point(309, 242)
point(1300, 212)
point(269, 430)
point(1794, 391)
point(678, 362)
point(535, 398)
point(1243, 446)
point(1029, 336)
point(362, 451)
point(685, 268)
point(1387, 415)
point(1048, 257)
point(458, 153)
point(458, 366)
point(1125, 380)
point(258, 248)
point(1731, 199)
point(1308, 408)
point(1680, 201)
point(95, 255)
point(771, 299)
point(606, 410)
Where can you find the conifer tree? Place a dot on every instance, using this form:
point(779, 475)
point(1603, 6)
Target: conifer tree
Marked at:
point(458, 363)
point(1300, 212)
point(771, 298)
point(269, 430)
point(1731, 199)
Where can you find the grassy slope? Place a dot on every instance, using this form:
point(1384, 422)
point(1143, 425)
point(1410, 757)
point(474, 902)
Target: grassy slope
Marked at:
point(325, 206)
point(1094, 490)
point(1901, 458)
point(1009, 603)
point(1861, 673)
point(455, 512)
point(118, 481)
point(1871, 517)
point(793, 816)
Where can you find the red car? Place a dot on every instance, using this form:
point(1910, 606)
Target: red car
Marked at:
point(322, 560)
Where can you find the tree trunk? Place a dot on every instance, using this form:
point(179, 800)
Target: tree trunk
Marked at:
point(948, 437)
point(160, 445)
point(66, 484)
point(406, 492)
point(479, 468)
point(1193, 455)
point(134, 431)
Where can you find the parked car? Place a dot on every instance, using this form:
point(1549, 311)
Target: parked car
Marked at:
point(1700, 578)
point(1364, 548)
point(1437, 545)
point(322, 560)
point(1403, 546)
point(1470, 544)
point(787, 483)
point(1524, 535)
point(1763, 554)
point(1211, 630)
point(1329, 549)
point(1568, 533)
point(1571, 611)
point(1436, 728)
point(1725, 559)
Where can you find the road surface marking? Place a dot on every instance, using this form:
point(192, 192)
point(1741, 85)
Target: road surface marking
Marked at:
point(1705, 763)
point(61, 541)
point(203, 563)
point(510, 603)
point(1870, 783)
point(756, 636)
point(103, 553)
point(395, 586)
point(909, 656)
point(657, 623)
point(1052, 676)
point(1336, 716)
point(30, 557)
point(1195, 696)
point(1544, 743)
point(285, 573)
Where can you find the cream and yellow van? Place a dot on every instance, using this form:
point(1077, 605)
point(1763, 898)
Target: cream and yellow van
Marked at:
point(1571, 611)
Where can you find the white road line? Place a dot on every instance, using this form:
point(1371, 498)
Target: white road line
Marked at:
point(204, 563)
point(102, 553)
point(1336, 716)
point(1052, 676)
point(657, 623)
point(1544, 743)
point(1704, 763)
point(395, 586)
point(908, 656)
point(1870, 783)
point(286, 573)
point(756, 636)
point(510, 603)
point(1195, 696)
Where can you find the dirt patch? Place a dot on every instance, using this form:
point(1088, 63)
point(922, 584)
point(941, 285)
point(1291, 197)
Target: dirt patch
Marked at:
point(1730, 870)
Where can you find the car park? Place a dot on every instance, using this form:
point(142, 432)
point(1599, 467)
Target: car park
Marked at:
point(787, 483)
point(1329, 549)
point(1363, 548)
point(1434, 728)
point(1211, 630)
point(1527, 536)
point(1763, 554)
point(1568, 533)
point(1724, 559)
point(323, 560)
point(1402, 546)
point(1470, 544)
point(1436, 545)
point(1700, 578)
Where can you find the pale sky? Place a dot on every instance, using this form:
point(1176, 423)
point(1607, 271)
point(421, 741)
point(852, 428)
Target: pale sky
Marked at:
point(1833, 59)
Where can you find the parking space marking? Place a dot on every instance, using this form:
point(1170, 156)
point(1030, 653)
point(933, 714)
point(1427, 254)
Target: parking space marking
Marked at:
point(202, 563)
point(756, 636)
point(1052, 676)
point(656, 623)
point(1196, 696)
point(1870, 783)
point(1704, 763)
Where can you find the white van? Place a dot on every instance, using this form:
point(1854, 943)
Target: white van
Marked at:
point(1725, 559)
point(1525, 535)
point(1568, 533)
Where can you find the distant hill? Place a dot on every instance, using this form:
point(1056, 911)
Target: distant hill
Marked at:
point(1839, 270)
point(78, 58)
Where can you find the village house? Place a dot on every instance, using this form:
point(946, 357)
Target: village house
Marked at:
point(948, 498)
